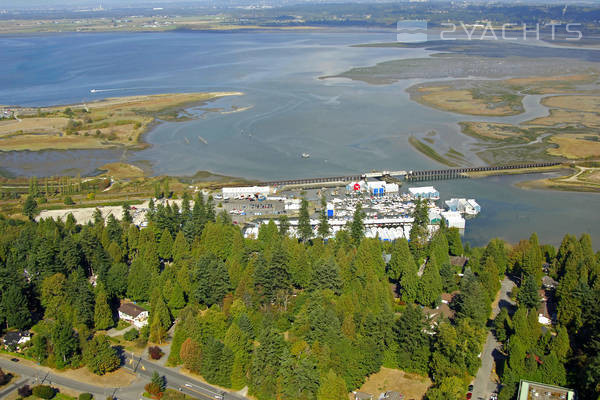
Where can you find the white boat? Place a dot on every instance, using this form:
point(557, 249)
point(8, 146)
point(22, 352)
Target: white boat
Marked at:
point(305, 155)
point(93, 90)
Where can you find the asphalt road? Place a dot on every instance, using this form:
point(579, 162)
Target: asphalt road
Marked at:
point(483, 385)
point(38, 376)
point(178, 381)
point(141, 367)
point(5, 391)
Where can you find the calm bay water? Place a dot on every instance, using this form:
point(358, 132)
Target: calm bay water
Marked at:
point(346, 126)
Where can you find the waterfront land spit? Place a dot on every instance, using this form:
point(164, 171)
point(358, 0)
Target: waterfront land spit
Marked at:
point(111, 122)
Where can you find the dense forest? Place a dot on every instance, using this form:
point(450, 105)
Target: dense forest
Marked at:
point(298, 319)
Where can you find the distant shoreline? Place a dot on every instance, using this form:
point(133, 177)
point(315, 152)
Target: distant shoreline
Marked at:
point(102, 124)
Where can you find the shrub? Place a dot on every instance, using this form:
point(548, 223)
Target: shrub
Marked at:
point(24, 391)
point(155, 352)
point(153, 390)
point(69, 201)
point(43, 392)
point(131, 335)
point(3, 377)
point(86, 396)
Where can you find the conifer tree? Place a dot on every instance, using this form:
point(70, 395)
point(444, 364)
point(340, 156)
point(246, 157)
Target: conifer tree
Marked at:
point(323, 220)
point(332, 387)
point(357, 229)
point(284, 225)
point(127, 218)
point(528, 295)
point(305, 231)
point(401, 260)
point(181, 248)
point(14, 308)
point(165, 247)
point(454, 242)
point(430, 284)
point(102, 312)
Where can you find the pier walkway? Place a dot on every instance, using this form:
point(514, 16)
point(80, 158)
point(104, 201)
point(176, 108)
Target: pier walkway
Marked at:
point(413, 176)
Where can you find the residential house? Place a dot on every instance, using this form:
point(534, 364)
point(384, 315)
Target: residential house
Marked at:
point(391, 395)
point(362, 396)
point(15, 340)
point(133, 314)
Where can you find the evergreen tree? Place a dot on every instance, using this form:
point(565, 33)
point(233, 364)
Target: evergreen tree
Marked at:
point(159, 310)
point(501, 325)
point(284, 225)
point(65, 343)
point(357, 229)
point(305, 231)
point(401, 261)
point(177, 298)
point(413, 342)
point(266, 364)
point(165, 247)
point(116, 280)
point(181, 248)
point(100, 357)
point(455, 246)
point(126, 216)
point(30, 208)
point(326, 275)
point(210, 281)
point(430, 284)
point(14, 308)
point(323, 220)
point(102, 313)
point(332, 387)
point(528, 295)
point(191, 355)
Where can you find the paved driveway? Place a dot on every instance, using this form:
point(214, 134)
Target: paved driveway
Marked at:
point(483, 385)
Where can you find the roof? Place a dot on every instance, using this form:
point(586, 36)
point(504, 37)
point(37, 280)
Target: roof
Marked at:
point(14, 337)
point(458, 261)
point(131, 309)
point(534, 390)
point(423, 189)
point(448, 296)
point(362, 395)
point(391, 395)
point(548, 281)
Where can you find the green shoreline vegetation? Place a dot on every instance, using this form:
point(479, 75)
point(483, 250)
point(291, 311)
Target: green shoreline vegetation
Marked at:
point(429, 152)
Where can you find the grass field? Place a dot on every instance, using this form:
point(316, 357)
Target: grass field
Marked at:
point(111, 122)
point(469, 102)
point(576, 147)
point(493, 131)
point(412, 386)
point(582, 179)
point(574, 102)
point(560, 117)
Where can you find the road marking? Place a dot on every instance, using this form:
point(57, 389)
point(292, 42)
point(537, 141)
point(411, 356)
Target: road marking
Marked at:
point(200, 393)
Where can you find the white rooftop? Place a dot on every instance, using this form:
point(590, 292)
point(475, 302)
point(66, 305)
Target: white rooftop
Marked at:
point(423, 189)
